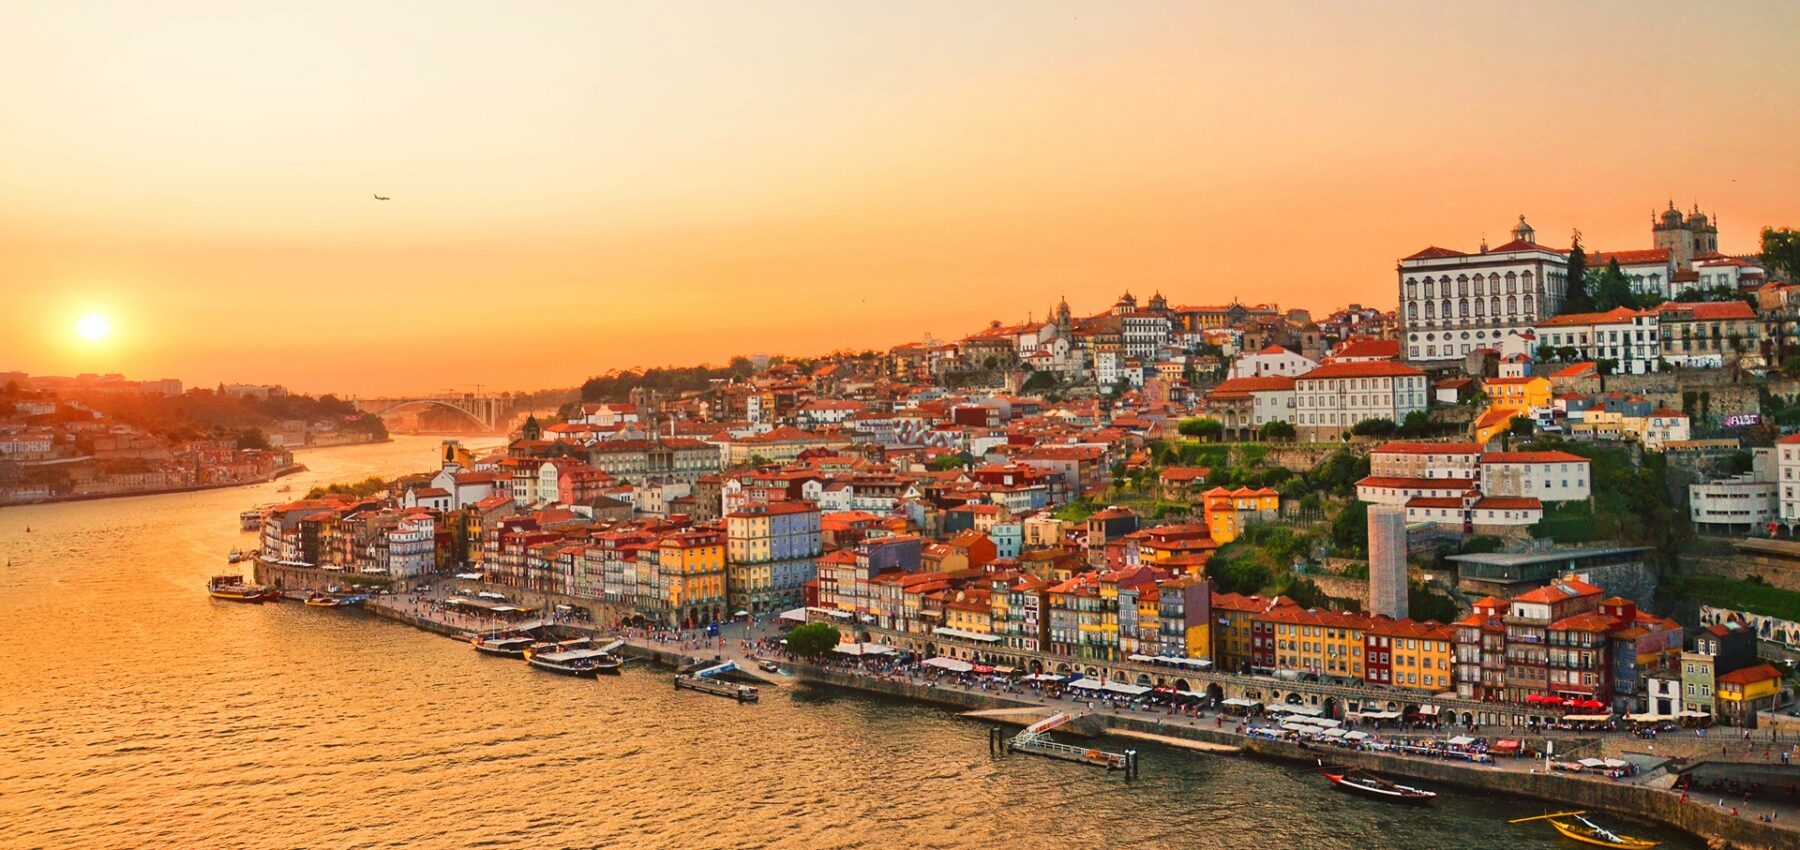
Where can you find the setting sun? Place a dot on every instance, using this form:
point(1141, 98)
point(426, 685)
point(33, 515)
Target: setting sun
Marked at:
point(93, 327)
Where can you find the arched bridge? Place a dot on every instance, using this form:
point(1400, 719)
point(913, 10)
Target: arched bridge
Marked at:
point(490, 412)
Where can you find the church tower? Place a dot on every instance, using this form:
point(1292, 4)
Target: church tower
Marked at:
point(1670, 231)
point(1523, 232)
point(1064, 323)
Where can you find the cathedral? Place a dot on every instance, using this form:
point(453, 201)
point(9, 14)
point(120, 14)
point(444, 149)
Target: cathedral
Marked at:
point(1685, 238)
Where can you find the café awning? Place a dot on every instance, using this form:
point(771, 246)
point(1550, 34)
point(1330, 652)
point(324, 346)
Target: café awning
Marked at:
point(951, 664)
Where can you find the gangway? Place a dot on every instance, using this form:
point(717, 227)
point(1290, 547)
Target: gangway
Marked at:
point(611, 647)
point(715, 670)
point(1035, 739)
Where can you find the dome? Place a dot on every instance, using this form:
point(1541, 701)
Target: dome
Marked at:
point(1672, 215)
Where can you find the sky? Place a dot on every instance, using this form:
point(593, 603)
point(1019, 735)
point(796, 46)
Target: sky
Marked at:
point(585, 186)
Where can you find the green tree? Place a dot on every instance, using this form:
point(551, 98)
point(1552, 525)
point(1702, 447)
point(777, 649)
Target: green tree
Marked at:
point(1576, 298)
point(1204, 428)
point(1611, 288)
point(1350, 529)
point(1781, 253)
point(1236, 575)
point(813, 639)
point(1276, 430)
point(1417, 424)
point(1380, 427)
point(1545, 352)
point(944, 463)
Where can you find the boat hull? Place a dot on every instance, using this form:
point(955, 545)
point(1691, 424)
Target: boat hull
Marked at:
point(1411, 797)
point(564, 669)
point(1577, 833)
point(500, 651)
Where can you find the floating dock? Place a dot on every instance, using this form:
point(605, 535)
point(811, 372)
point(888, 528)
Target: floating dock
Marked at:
point(1181, 743)
point(705, 681)
point(1035, 740)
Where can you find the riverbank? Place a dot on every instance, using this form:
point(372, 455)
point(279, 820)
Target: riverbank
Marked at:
point(290, 469)
point(1657, 804)
point(1649, 798)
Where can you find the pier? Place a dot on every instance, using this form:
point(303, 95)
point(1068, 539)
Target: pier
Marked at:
point(1035, 740)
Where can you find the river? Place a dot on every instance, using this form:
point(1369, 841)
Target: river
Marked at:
point(140, 713)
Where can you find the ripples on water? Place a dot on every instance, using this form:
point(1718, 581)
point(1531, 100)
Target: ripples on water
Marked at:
point(138, 713)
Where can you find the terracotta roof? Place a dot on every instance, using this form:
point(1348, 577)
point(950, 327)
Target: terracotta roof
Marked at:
point(1709, 310)
point(1379, 369)
point(1615, 316)
point(1434, 253)
point(1575, 370)
point(1417, 483)
point(1367, 347)
point(1419, 448)
point(1639, 257)
point(1532, 457)
point(1243, 387)
point(1750, 675)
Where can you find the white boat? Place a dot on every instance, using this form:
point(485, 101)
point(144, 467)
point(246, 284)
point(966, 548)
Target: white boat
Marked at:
point(573, 662)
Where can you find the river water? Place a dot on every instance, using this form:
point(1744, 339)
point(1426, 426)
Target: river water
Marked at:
point(137, 712)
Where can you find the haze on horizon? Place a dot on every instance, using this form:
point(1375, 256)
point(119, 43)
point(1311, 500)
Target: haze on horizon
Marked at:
point(580, 187)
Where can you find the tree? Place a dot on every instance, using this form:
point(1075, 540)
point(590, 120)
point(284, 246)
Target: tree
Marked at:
point(1568, 353)
point(813, 639)
point(1380, 427)
point(1276, 430)
point(1545, 352)
point(944, 463)
point(1781, 253)
point(1606, 365)
point(1204, 428)
point(1350, 529)
point(1612, 288)
point(1236, 575)
point(1575, 297)
point(1417, 424)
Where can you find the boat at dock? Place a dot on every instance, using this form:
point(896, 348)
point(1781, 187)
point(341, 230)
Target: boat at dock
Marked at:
point(729, 690)
point(251, 520)
point(235, 589)
point(331, 600)
point(1579, 828)
point(1359, 781)
point(573, 662)
point(511, 646)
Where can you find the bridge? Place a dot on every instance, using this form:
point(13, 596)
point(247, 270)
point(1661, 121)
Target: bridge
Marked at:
point(492, 413)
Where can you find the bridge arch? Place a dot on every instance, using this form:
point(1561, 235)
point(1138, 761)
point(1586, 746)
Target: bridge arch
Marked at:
point(433, 402)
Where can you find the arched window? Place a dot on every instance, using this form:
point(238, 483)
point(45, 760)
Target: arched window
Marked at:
point(1462, 284)
point(1430, 309)
point(1462, 307)
point(1481, 284)
point(1527, 280)
point(1480, 307)
point(1512, 305)
point(1528, 303)
point(1412, 310)
point(1444, 308)
point(1430, 289)
point(1512, 282)
point(1494, 304)
point(1412, 288)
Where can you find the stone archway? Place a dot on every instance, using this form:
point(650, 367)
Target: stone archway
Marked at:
point(1331, 708)
point(1468, 718)
point(1037, 667)
point(1062, 668)
point(1143, 680)
point(1214, 692)
point(1294, 698)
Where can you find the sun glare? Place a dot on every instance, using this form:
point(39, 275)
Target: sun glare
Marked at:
point(93, 327)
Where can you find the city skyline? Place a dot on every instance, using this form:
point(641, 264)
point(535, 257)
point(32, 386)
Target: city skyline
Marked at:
point(688, 185)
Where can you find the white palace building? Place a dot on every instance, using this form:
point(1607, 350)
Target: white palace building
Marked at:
point(1452, 303)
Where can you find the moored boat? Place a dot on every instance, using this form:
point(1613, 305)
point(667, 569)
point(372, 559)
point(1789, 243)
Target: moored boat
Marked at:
point(330, 600)
point(235, 589)
point(573, 662)
point(1579, 828)
point(1359, 781)
point(513, 646)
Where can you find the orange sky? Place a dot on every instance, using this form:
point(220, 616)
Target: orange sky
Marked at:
point(584, 186)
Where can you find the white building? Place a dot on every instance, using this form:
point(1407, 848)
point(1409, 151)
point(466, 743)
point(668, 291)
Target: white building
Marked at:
point(1787, 469)
point(1272, 360)
point(1331, 399)
point(412, 546)
point(1651, 270)
point(1546, 476)
point(1453, 302)
point(1739, 503)
point(1629, 338)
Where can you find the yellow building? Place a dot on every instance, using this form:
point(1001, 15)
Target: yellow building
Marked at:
point(1329, 643)
point(1743, 692)
point(970, 611)
point(1411, 655)
point(1519, 394)
point(691, 564)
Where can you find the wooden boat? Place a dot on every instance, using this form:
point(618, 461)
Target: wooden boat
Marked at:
point(328, 600)
point(1587, 832)
point(573, 662)
point(505, 647)
point(235, 589)
point(1359, 781)
point(729, 690)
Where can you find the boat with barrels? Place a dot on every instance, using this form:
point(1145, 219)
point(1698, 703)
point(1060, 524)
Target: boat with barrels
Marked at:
point(235, 589)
